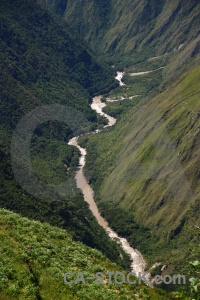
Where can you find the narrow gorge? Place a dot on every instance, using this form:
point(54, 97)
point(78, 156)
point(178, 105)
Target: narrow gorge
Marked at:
point(137, 260)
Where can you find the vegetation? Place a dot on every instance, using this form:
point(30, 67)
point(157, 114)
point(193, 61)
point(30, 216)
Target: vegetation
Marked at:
point(44, 62)
point(124, 30)
point(137, 172)
point(145, 171)
point(35, 257)
point(194, 276)
point(129, 25)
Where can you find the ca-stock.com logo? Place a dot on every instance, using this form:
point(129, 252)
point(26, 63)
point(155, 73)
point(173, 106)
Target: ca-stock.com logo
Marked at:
point(121, 278)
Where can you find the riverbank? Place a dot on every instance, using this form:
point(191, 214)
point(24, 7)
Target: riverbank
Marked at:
point(136, 258)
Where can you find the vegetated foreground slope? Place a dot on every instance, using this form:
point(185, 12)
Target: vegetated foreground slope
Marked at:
point(35, 257)
point(146, 171)
point(44, 62)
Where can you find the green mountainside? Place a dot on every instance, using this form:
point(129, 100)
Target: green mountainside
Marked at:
point(128, 25)
point(44, 62)
point(145, 171)
point(35, 257)
point(133, 30)
point(152, 153)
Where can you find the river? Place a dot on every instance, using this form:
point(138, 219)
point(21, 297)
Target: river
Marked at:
point(137, 260)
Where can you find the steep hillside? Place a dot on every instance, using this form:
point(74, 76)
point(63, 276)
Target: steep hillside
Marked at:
point(126, 32)
point(127, 25)
point(57, 65)
point(35, 257)
point(145, 171)
point(44, 62)
point(90, 19)
point(124, 26)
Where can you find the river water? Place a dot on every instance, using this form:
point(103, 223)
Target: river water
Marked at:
point(137, 260)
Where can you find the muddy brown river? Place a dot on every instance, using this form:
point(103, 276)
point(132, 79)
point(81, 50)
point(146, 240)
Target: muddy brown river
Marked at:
point(137, 260)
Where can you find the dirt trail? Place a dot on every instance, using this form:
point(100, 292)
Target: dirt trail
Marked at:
point(143, 73)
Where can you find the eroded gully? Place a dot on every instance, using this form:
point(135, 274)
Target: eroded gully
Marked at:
point(136, 258)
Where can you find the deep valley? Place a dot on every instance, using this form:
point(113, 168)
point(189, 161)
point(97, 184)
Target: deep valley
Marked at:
point(104, 172)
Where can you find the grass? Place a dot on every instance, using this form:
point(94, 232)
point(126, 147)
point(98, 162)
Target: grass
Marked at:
point(148, 165)
point(44, 62)
point(35, 257)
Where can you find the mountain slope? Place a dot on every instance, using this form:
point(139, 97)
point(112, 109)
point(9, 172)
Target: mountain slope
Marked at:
point(147, 168)
point(53, 56)
point(35, 257)
point(139, 170)
point(127, 32)
point(44, 62)
point(123, 26)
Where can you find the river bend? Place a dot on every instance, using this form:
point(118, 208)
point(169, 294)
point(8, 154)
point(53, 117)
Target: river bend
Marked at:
point(137, 260)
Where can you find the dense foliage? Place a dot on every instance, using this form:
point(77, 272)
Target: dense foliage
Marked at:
point(35, 257)
point(131, 169)
point(124, 30)
point(44, 62)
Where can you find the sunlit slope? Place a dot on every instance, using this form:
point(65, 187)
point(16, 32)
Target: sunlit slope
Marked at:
point(149, 163)
point(35, 256)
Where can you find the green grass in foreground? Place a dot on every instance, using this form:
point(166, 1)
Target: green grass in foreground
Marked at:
point(34, 257)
